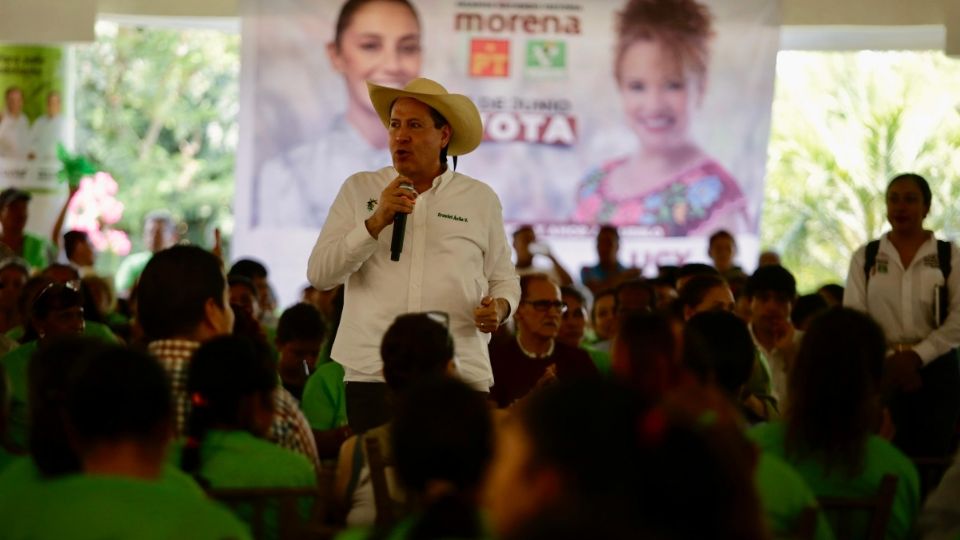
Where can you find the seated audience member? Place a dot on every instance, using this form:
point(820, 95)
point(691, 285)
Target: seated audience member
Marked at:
point(730, 358)
point(51, 452)
point(8, 450)
point(415, 347)
point(231, 383)
point(37, 251)
point(940, 518)
point(299, 340)
point(57, 312)
point(708, 293)
point(14, 273)
point(834, 409)
point(686, 272)
point(324, 396)
point(65, 274)
point(183, 301)
point(243, 295)
point(322, 300)
point(534, 357)
point(573, 327)
point(772, 292)
point(608, 272)
point(635, 295)
point(768, 258)
point(159, 233)
point(646, 355)
point(79, 252)
point(257, 273)
point(105, 299)
point(832, 293)
point(117, 412)
point(527, 249)
point(806, 308)
point(442, 442)
point(585, 459)
point(722, 249)
point(603, 319)
point(705, 293)
point(665, 292)
point(741, 305)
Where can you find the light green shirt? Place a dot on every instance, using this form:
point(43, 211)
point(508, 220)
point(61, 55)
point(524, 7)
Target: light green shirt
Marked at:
point(237, 459)
point(129, 271)
point(95, 507)
point(880, 459)
point(324, 402)
point(38, 252)
point(784, 497)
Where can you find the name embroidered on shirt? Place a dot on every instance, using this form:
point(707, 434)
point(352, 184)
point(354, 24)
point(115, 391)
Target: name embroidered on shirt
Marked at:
point(931, 261)
point(452, 217)
point(371, 204)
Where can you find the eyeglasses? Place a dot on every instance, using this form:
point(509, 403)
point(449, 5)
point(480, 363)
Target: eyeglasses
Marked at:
point(545, 305)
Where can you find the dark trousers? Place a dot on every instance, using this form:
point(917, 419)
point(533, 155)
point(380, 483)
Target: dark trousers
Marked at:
point(926, 420)
point(366, 405)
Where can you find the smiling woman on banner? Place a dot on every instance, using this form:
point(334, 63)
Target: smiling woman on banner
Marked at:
point(669, 183)
point(377, 41)
point(904, 281)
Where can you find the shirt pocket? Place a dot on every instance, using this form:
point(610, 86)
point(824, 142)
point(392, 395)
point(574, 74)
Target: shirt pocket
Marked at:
point(931, 280)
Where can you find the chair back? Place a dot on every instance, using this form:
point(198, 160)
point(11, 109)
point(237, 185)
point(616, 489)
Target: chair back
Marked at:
point(862, 518)
point(280, 513)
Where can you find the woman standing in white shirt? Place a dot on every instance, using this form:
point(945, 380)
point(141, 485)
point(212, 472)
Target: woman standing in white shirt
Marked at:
point(904, 281)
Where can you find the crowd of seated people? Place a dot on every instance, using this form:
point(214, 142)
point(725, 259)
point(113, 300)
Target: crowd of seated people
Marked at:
point(701, 403)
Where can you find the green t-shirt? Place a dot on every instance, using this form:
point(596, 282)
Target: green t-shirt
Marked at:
point(237, 459)
point(129, 271)
point(324, 402)
point(38, 252)
point(601, 359)
point(23, 474)
point(96, 507)
point(881, 458)
point(785, 496)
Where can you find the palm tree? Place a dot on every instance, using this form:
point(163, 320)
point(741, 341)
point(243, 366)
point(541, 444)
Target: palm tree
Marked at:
point(843, 125)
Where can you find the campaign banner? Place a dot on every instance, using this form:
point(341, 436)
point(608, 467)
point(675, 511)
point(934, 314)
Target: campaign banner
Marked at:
point(651, 115)
point(32, 124)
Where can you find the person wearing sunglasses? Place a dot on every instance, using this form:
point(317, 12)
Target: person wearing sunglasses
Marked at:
point(535, 357)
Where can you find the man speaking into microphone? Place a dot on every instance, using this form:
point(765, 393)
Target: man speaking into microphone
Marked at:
point(453, 258)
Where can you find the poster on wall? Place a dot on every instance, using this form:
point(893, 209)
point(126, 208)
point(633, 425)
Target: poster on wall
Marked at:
point(651, 115)
point(32, 124)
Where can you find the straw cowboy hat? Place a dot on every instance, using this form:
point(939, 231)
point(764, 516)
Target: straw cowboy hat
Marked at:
point(459, 111)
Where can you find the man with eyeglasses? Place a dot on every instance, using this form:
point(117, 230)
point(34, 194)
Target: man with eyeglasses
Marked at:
point(535, 357)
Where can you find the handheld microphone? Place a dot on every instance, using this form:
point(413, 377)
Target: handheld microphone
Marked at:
point(399, 228)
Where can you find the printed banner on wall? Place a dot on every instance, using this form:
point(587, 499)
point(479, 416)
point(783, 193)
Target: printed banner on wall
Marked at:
point(652, 115)
point(31, 123)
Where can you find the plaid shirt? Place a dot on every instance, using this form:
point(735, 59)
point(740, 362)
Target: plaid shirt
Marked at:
point(290, 428)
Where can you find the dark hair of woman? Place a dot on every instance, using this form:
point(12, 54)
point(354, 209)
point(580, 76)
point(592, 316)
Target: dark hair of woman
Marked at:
point(636, 471)
point(918, 181)
point(225, 375)
point(47, 383)
point(695, 290)
point(645, 354)
point(834, 390)
point(350, 8)
point(414, 346)
point(442, 433)
point(117, 394)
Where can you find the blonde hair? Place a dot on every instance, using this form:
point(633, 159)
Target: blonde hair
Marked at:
point(685, 27)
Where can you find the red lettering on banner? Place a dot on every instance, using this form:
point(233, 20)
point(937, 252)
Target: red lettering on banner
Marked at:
point(528, 24)
point(489, 58)
point(555, 129)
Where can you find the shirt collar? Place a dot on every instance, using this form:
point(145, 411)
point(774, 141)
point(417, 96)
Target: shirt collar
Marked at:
point(533, 355)
point(442, 180)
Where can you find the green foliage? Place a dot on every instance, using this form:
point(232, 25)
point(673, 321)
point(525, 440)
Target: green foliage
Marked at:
point(843, 125)
point(158, 109)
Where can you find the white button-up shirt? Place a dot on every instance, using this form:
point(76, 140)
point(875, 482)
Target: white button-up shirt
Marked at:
point(455, 252)
point(903, 300)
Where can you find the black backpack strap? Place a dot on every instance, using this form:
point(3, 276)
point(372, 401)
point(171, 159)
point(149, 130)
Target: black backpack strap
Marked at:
point(873, 247)
point(943, 256)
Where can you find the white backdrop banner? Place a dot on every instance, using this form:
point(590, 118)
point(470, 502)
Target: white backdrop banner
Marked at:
point(652, 115)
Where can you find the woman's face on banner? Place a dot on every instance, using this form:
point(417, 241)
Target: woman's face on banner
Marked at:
point(381, 45)
point(658, 94)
